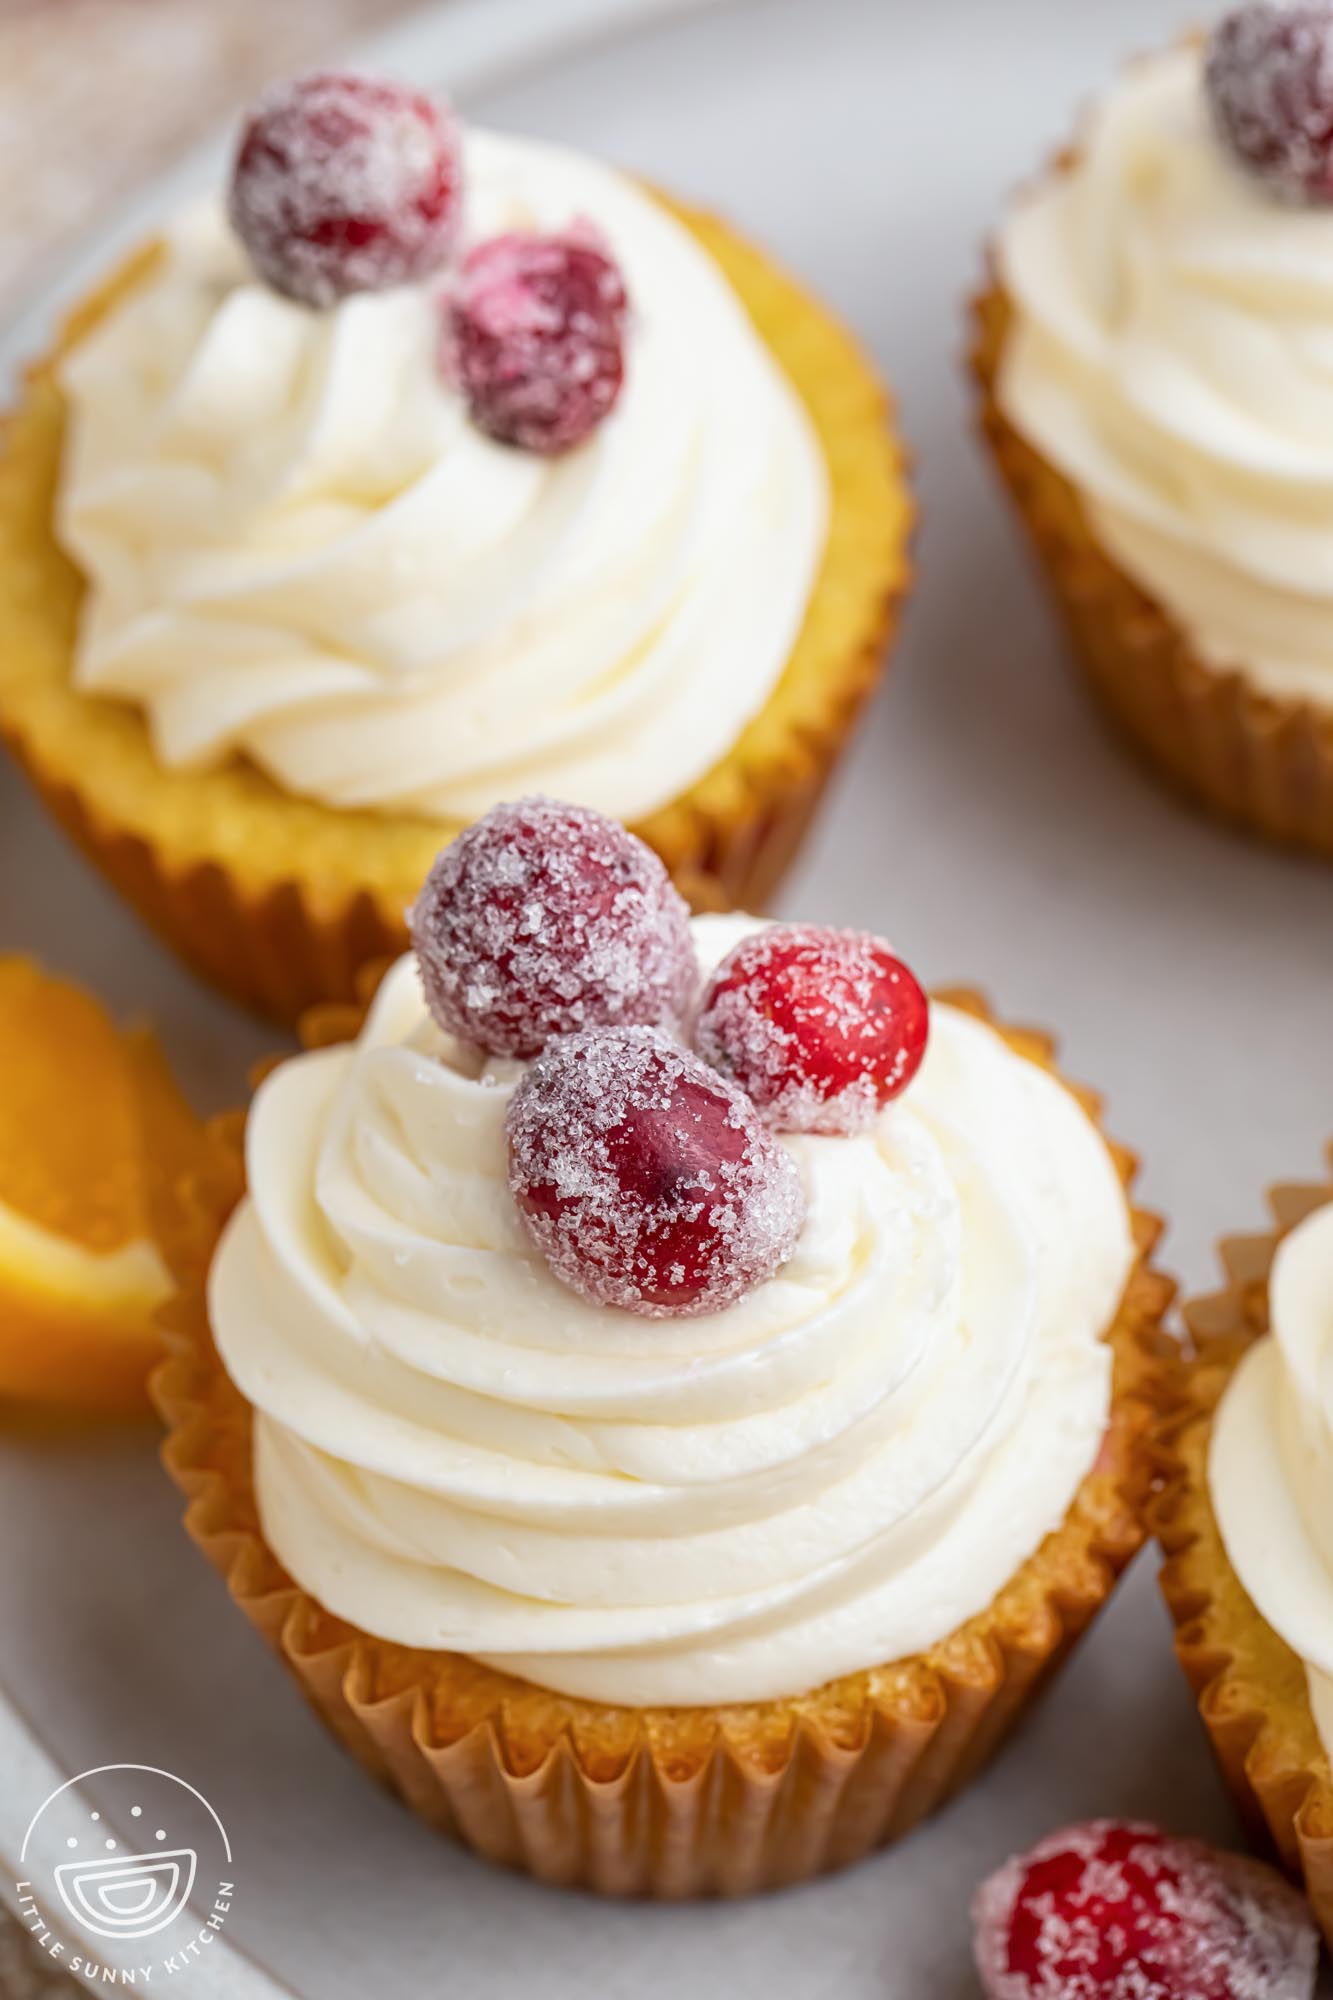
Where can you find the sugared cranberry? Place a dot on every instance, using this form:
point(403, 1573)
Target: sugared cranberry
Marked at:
point(345, 183)
point(543, 918)
point(821, 1027)
point(536, 339)
point(647, 1181)
point(1116, 1911)
point(1269, 77)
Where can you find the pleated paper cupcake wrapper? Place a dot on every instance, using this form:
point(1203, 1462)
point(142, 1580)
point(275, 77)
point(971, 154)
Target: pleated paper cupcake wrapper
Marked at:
point(672, 1802)
point(1250, 1686)
point(1259, 762)
point(279, 901)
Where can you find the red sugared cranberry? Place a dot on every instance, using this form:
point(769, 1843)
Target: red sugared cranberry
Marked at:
point(821, 1027)
point(536, 339)
point(646, 1180)
point(543, 918)
point(1270, 84)
point(1115, 1911)
point(345, 183)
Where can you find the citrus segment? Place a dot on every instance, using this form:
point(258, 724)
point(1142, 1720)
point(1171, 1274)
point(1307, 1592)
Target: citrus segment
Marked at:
point(96, 1147)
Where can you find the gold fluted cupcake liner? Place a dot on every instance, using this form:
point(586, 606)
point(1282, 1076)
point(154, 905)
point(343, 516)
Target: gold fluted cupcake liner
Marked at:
point(1250, 1686)
point(278, 900)
point(690, 1801)
point(1260, 762)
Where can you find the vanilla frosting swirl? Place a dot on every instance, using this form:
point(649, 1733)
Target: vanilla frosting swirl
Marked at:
point(1270, 1460)
point(298, 547)
point(455, 1451)
point(1172, 355)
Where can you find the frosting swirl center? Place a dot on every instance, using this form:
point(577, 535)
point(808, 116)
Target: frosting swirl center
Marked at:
point(455, 1451)
point(298, 547)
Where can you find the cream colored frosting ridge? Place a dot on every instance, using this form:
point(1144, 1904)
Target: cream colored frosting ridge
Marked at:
point(299, 547)
point(1270, 1464)
point(1172, 356)
point(453, 1450)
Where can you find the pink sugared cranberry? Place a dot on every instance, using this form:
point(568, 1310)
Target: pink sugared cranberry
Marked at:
point(543, 918)
point(1116, 1911)
point(346, 183)
point(1269, 75)
point(821, 1027)
point(536, 339)
point(647, 1181)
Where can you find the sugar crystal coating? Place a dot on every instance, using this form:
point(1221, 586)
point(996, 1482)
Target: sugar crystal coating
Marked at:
point(1122, 1911)
point(821, 1027)
point(1269, 80)
point(543, 918)
point(646, 1180)
point(536, 338)
point(346, 183)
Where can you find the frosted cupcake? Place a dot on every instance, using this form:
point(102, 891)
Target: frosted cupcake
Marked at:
point(1153, 359)
point(1245, 1521)
point(431, 467)
point(670, 1395)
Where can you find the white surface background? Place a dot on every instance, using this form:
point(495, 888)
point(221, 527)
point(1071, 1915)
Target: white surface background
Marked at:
point(985, 821)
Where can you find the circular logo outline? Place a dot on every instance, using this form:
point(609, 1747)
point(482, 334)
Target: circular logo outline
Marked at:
point(71, 1878)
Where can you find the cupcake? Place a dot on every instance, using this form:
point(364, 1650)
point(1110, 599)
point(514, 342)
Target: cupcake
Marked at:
point(430, 467)
point(1152, 356)
point(670, 1394)
point(1244, 1519)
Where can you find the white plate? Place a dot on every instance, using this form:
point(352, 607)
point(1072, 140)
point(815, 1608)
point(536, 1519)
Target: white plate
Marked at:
point(985, 821)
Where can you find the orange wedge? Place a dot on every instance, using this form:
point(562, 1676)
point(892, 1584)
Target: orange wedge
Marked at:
point(95, 1146)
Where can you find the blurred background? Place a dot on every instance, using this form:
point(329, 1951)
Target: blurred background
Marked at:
point(95, 94)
